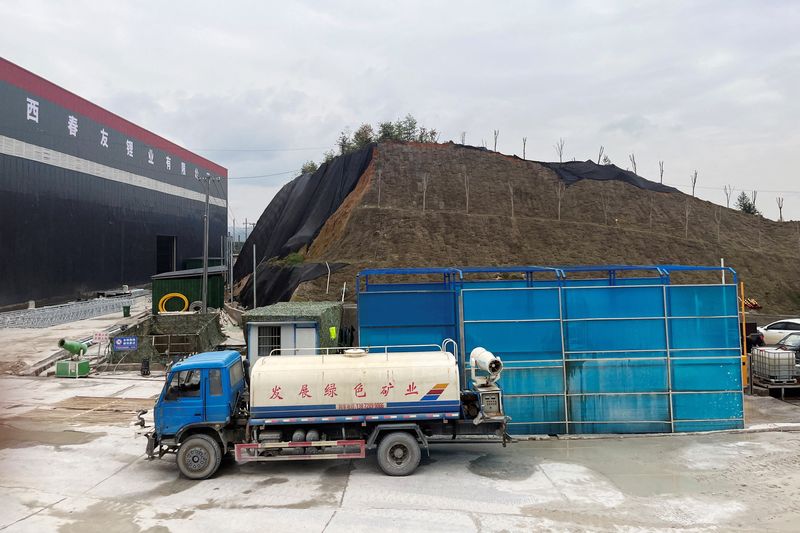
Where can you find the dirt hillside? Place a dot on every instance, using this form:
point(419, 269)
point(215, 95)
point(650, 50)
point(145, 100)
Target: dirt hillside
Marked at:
point(450, 205)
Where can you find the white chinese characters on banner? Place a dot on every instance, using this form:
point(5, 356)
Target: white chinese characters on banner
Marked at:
point(104, 138)
point(129, 147)
point(183, 168)
point(150, 156)
point(72, 125)
point(33, 110)
point(168, 159)
point(196, 174)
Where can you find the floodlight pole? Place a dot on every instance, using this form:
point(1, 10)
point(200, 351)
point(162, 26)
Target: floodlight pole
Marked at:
point(207, 180)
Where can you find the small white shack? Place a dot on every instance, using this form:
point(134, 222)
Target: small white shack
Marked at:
point(294, 327)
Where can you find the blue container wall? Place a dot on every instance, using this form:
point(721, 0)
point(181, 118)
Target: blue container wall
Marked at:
point(586, 356)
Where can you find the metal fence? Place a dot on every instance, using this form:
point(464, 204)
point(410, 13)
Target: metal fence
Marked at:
point(600, 355)
point(53, 315)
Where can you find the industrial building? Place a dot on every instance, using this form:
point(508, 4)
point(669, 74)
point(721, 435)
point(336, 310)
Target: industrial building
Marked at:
point(92, 201)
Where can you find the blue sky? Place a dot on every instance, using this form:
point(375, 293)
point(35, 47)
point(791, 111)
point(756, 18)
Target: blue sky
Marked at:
point(260, 87)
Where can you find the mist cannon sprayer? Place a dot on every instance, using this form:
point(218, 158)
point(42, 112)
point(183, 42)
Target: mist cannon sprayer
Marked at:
point(490, 397)
point(483, 359)
point(77, 349)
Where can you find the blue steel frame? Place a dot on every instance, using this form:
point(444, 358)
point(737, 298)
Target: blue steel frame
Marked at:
point(600, 374)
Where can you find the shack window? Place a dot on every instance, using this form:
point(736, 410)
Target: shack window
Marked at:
point(269, 338)
point(215, 382)
point(184, 384)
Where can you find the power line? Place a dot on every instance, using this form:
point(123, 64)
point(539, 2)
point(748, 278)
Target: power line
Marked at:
point(258, 149)
point(264, 175)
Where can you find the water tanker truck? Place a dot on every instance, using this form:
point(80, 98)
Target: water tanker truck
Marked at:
point(325, 406)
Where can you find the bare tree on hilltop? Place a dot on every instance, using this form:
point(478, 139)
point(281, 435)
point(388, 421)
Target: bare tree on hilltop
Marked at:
point(559, 146)
point(728, 190)
point(561, 188)
point(686, 226)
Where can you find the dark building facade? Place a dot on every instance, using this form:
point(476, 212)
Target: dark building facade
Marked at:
point(91, 201)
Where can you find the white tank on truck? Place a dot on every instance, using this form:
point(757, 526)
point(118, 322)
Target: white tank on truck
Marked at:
point(334, 404)
point(355, 383)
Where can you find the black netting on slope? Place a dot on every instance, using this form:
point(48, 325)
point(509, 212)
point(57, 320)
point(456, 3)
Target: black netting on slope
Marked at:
point(295, 216)
point(574, 171)
point(278, 283)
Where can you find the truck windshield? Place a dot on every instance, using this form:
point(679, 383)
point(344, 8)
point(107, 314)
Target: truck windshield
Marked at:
point(184, 384)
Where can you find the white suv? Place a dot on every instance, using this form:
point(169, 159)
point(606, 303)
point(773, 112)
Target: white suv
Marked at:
point(778, 330)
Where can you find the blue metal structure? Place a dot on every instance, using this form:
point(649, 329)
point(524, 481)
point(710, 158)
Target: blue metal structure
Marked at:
point(587, 349)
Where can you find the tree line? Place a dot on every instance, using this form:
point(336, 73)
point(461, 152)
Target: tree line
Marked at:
point(403, 129)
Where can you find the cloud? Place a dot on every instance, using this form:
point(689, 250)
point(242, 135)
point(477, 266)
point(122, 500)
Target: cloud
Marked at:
point(632, 125)
point(708, 86)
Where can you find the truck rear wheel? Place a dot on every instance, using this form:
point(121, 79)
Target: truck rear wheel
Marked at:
point(199, 457)
point(398, 454)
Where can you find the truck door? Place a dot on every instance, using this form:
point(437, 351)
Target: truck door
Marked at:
point(217, 405)
point(183, 401)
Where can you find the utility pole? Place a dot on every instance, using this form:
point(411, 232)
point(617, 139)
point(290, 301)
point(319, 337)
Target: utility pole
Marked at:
point(207, 180)
point(254, 276)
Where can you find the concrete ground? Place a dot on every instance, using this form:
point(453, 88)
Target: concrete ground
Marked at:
point(69, 461)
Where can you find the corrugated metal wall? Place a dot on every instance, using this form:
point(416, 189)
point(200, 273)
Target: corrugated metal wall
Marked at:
point(192, 288)
point(608, 355)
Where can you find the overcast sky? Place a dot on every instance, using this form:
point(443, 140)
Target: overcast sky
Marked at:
point(261, 87)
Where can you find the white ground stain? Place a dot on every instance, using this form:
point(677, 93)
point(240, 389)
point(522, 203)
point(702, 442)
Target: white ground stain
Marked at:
point(692, 512)
point(573, 483)
point(717, 456)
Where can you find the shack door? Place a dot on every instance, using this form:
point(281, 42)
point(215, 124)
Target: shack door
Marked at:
point(306, 338)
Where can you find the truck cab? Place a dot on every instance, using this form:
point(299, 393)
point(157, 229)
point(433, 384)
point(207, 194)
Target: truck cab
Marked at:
point(199, 400)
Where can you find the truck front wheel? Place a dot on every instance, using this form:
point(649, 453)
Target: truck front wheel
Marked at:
point(398, 454)
point(199, 457)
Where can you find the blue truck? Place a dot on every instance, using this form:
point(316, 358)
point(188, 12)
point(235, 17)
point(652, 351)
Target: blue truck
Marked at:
point(324, 406)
